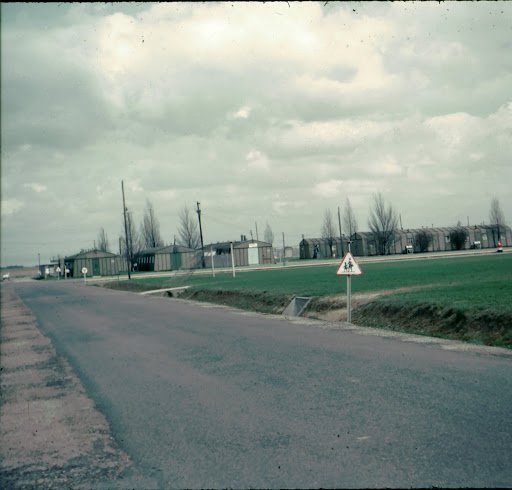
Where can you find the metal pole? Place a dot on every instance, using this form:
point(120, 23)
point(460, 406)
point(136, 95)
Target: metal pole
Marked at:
point(349, 309)
point(233, 260)
point(213, 265)
point(284, 261)
point(339, 221)
point(201, 235)
point(128, 261)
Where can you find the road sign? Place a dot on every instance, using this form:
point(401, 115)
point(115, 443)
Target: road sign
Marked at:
point(348, 267)
point(59, 270)
point(84, 270)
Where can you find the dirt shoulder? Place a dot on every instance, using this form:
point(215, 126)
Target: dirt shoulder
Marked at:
point(52, 435)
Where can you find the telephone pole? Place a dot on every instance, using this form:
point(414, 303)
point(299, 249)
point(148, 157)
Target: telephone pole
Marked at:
point(201, 235)
point(284, 251)
point(339, 220)
point(128, 261)
point(339, 224)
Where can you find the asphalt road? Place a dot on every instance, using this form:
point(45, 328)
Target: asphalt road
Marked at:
point(209, 397)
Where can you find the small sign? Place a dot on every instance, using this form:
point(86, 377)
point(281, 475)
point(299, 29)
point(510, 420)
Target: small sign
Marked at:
point(84, 270)
point(59, 270)
point(348, 267)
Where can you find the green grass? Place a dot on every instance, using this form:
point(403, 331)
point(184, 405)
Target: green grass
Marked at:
point(454, 273)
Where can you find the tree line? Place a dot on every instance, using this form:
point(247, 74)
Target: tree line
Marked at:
point(382, 222)
point(148, 234)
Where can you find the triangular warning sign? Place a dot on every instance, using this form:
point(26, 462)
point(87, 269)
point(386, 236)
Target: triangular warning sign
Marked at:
point(348, 267)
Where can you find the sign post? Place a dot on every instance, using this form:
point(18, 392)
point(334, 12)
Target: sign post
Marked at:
point(349, 267)
point(233, 260)
point(84, 272)
point(59, 270)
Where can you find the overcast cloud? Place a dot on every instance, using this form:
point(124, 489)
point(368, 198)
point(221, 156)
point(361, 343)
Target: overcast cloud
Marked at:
point(263, 112)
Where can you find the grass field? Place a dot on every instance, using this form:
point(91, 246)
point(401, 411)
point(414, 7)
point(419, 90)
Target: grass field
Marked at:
point(488, 273)
point(446, 293)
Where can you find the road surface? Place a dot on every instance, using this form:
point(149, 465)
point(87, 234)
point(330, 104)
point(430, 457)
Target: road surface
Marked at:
point(210, 397)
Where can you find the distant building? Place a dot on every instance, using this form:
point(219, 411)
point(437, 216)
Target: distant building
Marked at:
point(438, 240)
point(98, 263)
point(168, 258)
point(246, 252)
point(322, 248)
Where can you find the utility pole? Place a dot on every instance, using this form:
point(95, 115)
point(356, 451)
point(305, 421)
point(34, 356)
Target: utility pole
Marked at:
point(284, 261)
point(128, 259)
point(339, 224)
point(256, 225)
point(201, 234)
point(339, 220)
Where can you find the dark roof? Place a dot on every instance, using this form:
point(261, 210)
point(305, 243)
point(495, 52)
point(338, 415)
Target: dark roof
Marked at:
point(90, 254)
point(323, 240)
point(166, 249)
point(236, 244)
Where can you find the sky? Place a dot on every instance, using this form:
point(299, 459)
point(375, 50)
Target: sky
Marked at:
point(263, 112)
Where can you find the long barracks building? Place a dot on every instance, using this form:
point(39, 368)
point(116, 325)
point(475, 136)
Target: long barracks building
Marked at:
point(404, 241)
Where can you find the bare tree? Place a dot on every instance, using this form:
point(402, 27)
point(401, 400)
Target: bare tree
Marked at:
point(383, 222)
point(497, 218)
point(458, 237)
point(422, 240)
point(150, 228)
point(188, 234)
point(328, 232)
point(268, 234)
point(103, 241)
point(349, 219)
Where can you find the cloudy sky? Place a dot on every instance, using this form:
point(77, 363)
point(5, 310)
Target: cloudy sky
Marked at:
point(263, 112)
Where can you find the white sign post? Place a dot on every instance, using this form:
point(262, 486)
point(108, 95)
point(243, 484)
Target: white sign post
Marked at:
point(213, 265)
point(349, 267)
point(84, 272)
point(58, 270)
point(233, 260)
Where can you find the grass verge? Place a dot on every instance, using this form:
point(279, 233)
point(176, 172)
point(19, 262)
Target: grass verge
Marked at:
point(472, 313)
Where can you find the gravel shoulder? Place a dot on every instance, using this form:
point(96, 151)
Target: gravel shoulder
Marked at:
point(52, 435)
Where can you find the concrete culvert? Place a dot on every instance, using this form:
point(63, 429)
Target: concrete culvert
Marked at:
point(297, 306)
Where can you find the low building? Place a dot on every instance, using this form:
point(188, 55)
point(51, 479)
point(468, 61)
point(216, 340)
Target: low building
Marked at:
point(404, 241)
point(246, 252)
point(168, 258)
point(322, 248)
point(97, 263)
